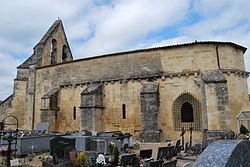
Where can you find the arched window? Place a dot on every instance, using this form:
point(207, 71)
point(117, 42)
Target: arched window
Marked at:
point(123, 111)
point(64, 53)
point(187, 114)
point(53, 52)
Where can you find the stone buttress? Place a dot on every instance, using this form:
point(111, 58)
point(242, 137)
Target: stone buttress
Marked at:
point(150, 112)
point(50, 108)
point(91, 109)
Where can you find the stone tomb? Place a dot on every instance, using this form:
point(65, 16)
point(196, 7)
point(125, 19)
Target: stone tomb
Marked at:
point(43, 126)
point(225, 153)
point(99, 142)
point(89, 143)
point(58, 145)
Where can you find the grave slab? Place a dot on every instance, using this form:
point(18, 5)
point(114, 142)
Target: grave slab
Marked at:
point(225, 153)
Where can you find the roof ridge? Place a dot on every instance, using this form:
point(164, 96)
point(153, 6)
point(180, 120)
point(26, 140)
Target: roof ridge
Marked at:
point(150, 49)
point(192, 43)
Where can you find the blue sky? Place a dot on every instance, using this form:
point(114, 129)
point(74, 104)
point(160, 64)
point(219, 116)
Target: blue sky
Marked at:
point(95, 27)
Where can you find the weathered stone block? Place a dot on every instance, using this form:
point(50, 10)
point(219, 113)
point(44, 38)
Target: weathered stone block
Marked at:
point(225, 153)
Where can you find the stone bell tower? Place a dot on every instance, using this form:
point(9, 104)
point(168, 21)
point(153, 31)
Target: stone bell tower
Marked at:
point(53, 48)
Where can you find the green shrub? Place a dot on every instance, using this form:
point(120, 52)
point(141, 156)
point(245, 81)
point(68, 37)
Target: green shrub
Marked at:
point(82, 160)
point(116, 155)
point(243, 130)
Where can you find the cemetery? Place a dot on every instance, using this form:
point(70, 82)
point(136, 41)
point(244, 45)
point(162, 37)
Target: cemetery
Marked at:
point(109, 149)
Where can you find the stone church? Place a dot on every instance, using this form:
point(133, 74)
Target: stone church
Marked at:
point(151, 93)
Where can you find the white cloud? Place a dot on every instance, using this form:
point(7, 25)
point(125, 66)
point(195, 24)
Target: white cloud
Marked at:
point(129, 21)
point(7, 73)
point(224, 20)
point(23, 23)
point(174, 41)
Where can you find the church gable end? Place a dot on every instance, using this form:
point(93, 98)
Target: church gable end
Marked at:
point(54, 47)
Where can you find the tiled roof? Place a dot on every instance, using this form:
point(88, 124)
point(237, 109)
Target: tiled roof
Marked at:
point(158, 48)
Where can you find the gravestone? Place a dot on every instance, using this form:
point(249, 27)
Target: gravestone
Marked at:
point(93, 145)
point(59, 144)
point(43, 126)
point(157, 163)
point(128, 159)
point(146, 153)
point(101, 146)
point(225, 153)
point(170, 164)
point(165, 153)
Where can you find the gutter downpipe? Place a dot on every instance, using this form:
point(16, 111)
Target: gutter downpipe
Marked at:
point(218, 58)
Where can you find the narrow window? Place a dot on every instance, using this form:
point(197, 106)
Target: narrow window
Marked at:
point(123, 111)
point(64, 53)
point(74, 112)
point(187, 112)
point(53, 52)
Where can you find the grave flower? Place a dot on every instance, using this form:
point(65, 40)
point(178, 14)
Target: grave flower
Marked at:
point(114, 153)
point(111, 147)
point(82, 160)
point(100, 161)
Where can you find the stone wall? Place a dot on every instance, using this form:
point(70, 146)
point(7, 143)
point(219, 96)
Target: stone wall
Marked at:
point(5, 107)
point(69, 98)
point(123, 76)
point(237, 86)
point(19, 101)
point(170, 89)
point(218, 134)
point(115, 95)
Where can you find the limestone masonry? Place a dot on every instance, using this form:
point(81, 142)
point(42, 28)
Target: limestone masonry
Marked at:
point(151, 93)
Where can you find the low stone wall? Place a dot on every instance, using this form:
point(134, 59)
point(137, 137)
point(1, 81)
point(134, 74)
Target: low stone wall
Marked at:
point(218, 134)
